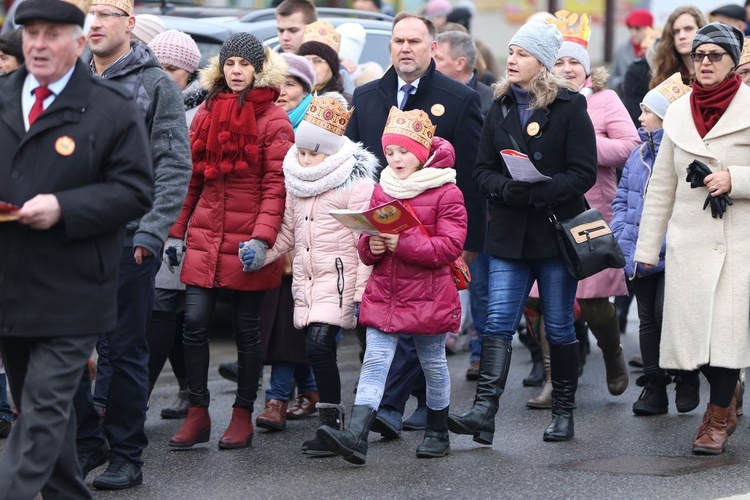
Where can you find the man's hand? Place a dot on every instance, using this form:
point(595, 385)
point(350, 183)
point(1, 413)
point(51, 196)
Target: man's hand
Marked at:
point(41, 212)
point(141, 253)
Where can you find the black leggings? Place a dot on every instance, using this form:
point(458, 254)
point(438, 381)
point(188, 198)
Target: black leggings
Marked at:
point(164, 336)
point(320, 344)
point(649, 293)
point(199, 304)
point(723, 381)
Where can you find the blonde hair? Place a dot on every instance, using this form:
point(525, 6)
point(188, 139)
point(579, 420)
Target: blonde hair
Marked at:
point(543, 89)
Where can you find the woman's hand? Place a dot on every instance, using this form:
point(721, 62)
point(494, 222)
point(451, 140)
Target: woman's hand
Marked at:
point(377, 245)
point(390, 240)
point(718, 183)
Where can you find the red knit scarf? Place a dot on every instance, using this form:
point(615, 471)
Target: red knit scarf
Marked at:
point(225, 141)
point(708, 106)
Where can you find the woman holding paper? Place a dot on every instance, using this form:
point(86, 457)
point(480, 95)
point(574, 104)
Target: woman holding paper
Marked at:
point(541, 115)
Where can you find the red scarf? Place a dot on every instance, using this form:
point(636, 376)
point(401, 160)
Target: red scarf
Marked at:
point(225, 141)
point(708, 106)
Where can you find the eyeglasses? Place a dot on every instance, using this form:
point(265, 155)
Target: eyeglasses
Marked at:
point(106, 15)
point(712, 56)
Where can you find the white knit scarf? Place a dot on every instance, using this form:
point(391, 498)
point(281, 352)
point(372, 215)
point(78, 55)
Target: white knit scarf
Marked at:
point(417, 183)
point(305, 182)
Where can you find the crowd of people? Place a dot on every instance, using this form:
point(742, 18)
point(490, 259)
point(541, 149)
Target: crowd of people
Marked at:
point(142, 187)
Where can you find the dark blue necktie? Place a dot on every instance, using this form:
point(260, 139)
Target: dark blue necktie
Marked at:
point(407, 89)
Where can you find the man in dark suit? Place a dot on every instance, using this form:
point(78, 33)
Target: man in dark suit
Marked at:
point(78, 165)
point(412, 82)
point(455, 57)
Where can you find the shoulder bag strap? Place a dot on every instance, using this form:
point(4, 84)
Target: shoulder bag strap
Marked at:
point(513, 141)
point(408, 207)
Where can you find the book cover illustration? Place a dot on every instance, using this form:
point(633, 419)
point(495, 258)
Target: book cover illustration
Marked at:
point(389, 218)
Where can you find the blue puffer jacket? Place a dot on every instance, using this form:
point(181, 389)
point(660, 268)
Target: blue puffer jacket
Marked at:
point(628, 203)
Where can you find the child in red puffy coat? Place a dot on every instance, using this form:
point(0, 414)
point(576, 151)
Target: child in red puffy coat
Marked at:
point(411, 288)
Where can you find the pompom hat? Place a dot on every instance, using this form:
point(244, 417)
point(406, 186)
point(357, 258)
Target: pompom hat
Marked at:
point(246, 46)
point(175, 48)
point(541, 40)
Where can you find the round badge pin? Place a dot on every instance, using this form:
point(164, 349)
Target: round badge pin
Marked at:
point(65, 146)
point(532, 128)
point(437, 109)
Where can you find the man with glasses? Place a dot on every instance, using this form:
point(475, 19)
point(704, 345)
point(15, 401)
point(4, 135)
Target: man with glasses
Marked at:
point(118, 407)
point(76, 161)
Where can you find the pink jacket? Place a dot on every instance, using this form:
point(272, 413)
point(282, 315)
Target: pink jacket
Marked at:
point(411, 290)
point(328, 275)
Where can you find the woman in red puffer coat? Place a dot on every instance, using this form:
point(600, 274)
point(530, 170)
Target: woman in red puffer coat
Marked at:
point(411, 288)
point(238, 140)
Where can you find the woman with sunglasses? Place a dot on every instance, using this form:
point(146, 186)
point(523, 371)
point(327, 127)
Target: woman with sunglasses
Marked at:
point(707, 297)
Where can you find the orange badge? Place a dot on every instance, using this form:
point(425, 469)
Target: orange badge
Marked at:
point(65, 146)
point(437, 109)
point(532, 129)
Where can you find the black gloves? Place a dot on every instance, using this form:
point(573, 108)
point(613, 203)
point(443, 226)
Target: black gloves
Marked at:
point(516, 193)
point(696, 173)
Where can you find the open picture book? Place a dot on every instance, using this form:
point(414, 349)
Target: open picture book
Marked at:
point(389, 218)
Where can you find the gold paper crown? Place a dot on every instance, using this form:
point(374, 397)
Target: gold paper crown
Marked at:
point(574, 28)
point(414, 124)
point(329, 114)
point(672, 88)
point(649, 37)
point(84, 5)
point(124, 5)
point(323, 32)
point(745, 57)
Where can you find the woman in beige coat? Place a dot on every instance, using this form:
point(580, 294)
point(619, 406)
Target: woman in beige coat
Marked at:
point(707, 294)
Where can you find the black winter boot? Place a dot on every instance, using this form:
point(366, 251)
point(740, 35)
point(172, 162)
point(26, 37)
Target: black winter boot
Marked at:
point(564, 368)
point(331, 415)
point(436, 442)
point(351, 444)
point(653, 399)
point(687, 390)
point(179, 407)
point(493, 372)
point(536, 376)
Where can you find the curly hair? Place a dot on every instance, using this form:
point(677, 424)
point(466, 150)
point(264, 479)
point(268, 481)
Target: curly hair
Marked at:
point(668, 61)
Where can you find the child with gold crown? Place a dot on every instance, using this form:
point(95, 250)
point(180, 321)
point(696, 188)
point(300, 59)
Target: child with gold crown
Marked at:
point(411, 289)
point(323, 171)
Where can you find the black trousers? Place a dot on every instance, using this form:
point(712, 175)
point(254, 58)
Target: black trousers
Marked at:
point(649, 293)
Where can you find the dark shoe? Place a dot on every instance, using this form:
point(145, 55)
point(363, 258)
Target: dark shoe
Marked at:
point(617, 373)
point(653, 399)
point(418, 420)
point(350, 444)
point(436, 442)
point(536, 376)
point(303, 406)
point(239, 434)
point(179, 407)
point(472, 373)
point(119, 476)
point(564, 372)
point(229, 370)
point(388, 423)
point(493, 372)
point(636, 361)
point(196, 428)
point(273, 416)
point(687, 388)
point(735, 408)
point(5, 428)
point(94, 459)
point(712, 434)
point(331, 415)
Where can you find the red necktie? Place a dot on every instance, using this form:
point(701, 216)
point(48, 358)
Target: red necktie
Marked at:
point(41, 94)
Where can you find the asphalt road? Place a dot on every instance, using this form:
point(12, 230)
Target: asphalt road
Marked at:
point(614, 455)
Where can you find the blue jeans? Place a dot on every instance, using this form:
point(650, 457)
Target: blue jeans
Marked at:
point(282, 374)
point(379, 355)
point(510, 283)
point(479, 300)
point(5, 411)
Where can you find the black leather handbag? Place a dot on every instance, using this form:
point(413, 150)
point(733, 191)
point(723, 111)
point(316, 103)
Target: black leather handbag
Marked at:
point(587, 244)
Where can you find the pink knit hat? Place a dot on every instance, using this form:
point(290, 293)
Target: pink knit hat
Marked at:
point(175, 48)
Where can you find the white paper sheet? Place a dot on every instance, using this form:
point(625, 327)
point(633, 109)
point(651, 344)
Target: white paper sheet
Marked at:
point(521, 168)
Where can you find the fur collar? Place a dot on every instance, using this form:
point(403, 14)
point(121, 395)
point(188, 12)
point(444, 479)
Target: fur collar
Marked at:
point(272, 75)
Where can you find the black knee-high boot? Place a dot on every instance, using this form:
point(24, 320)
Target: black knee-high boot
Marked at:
point(493, 372)
point(564, 369)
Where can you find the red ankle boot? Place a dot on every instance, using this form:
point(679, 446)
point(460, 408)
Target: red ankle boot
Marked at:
point(196, 428)
point(239, 434)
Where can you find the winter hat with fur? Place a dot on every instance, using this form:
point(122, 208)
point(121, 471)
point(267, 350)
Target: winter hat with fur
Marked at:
point(322, 130)
point(246, 46)
point(175, 48)
point(541, 40)
point(412, 130)
point(301, 69)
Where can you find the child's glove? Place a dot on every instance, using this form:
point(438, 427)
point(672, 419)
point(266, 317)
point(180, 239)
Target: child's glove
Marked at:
point(253, 254)
point(174, 250)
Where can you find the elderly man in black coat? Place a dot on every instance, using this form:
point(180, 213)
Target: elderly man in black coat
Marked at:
point(77, 162)
point(412, 82)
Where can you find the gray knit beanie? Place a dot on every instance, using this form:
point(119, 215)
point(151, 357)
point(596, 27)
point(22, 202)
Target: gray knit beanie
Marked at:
point(576, 51)
point(728, 38)
point(541, 40)
point(246, 46)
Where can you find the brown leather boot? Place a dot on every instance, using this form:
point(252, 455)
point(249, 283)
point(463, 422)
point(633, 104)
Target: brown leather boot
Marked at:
point(273, 417)
point(712, 435)
point(543, 400)
point(196, 428)
point(303, 406)
point(735, 408)
point(239, 434)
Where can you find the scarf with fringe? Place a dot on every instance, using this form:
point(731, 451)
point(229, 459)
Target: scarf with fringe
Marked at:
point(225, 140)
point(417, 183)
point(305, 182)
